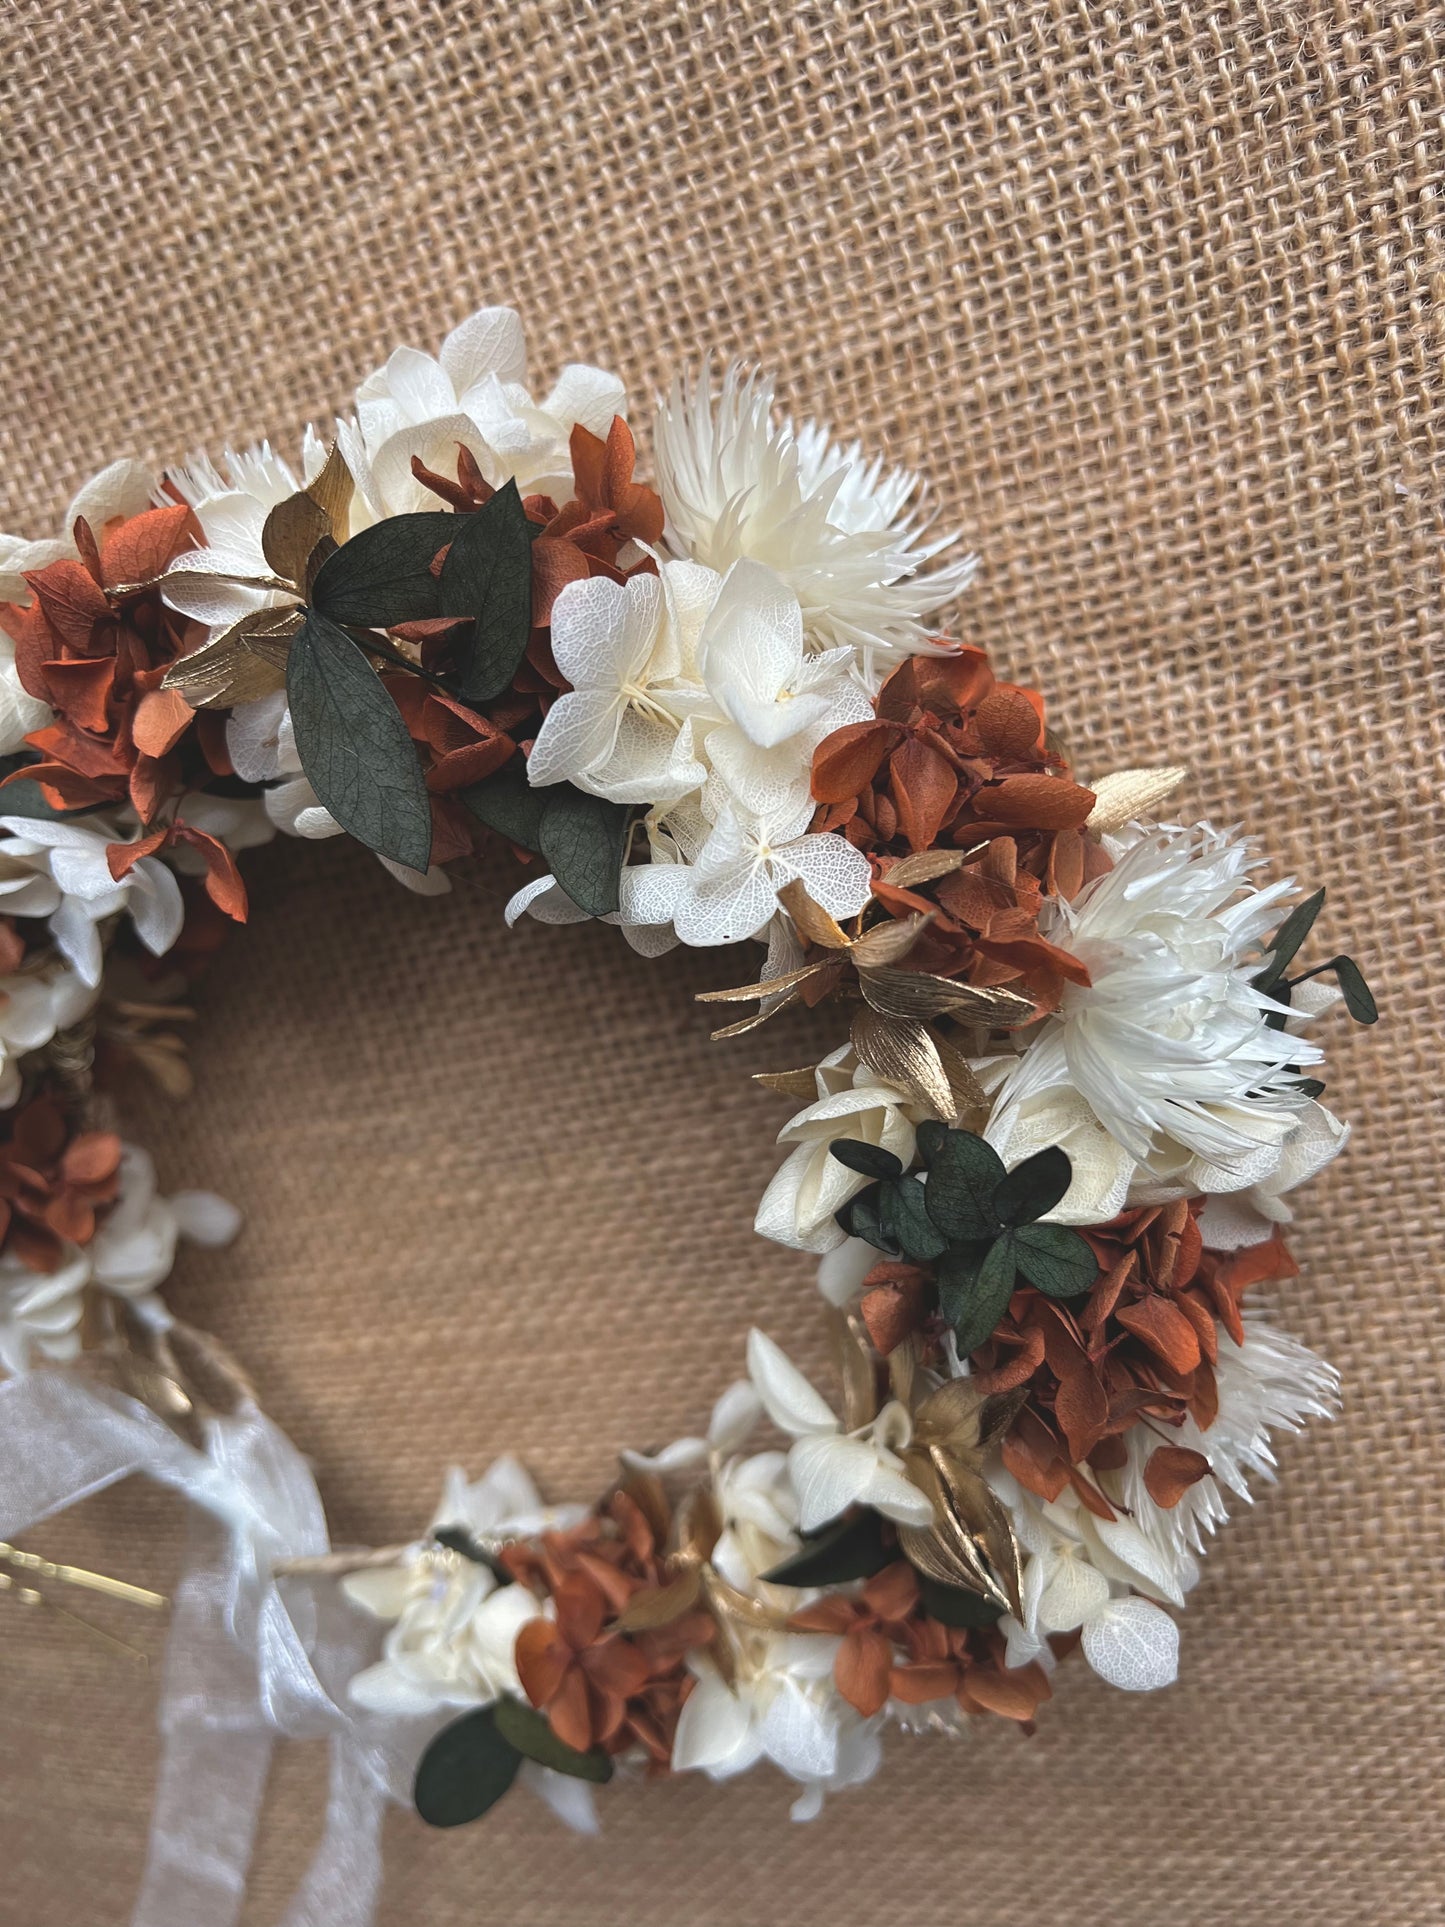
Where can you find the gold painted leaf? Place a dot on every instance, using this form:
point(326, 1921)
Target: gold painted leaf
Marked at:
point(968, 1093)
point(800, 1083)
point(331, 491)
point(749, 993)
point(811, 921)
point(853, 1351)
point(244, 662)
point(905, 1054)
point(888, 943)
point(746, 1024)
point(647, 1611)
point(291, 532)
point(925, 866)
point(906, 993)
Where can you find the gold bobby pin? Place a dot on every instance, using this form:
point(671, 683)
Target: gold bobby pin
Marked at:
point(28, 1596)
point(79, 1576)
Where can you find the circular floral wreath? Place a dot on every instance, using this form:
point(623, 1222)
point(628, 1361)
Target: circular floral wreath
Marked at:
point(1048, 1159)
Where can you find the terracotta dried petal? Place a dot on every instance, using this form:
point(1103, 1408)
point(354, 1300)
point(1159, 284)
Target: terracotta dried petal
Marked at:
point(925, 788)
point(1008, 725)
point(137, 550)
point(1165, 1330)
point(863, 1669)
point(848, 760)
point(1170, 1472)
point(542, 1657)
point(1036, 802)
point(1013, 1693)
point(924, 1680)
point(615, 1666)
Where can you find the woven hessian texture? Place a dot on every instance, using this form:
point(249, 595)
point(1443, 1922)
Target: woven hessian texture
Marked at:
point(1152, 294)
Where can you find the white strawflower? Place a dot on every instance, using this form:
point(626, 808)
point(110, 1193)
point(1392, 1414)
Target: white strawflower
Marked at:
point(735, 481)
point(1162, 1079)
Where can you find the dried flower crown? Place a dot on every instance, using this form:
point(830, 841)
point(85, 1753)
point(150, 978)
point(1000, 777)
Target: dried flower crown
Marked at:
point(1049, 1158)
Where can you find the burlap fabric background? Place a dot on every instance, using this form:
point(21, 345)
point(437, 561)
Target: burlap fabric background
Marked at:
point(1153, 294)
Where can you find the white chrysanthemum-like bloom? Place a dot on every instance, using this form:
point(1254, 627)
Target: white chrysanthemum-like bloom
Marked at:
point(474, 393)
point(132, 1252)
point(832, 1469)
point(695, 694)
point(453, 1625)
point(57, 869)
point(1163, 1078)
point(799, 1206)
point(1271, 1383)
point(737, 482)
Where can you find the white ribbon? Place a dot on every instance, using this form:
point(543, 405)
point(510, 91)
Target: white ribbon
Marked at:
point(243, 1662)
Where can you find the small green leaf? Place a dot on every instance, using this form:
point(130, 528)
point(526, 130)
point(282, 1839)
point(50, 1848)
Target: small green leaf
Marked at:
point(1055, 1260)
point(354, 746)
point(916, 1233)
point(528, 1730)
point(1311, 1087)
point(458, 1539)
point(954, 1606)
point(871, 1160)
point(383, 575)
point(1359, 999)
point(466, 1769)
point(962, 1179)
point(1033, 1187)
point(488, 575)
point(583, 839)
point(974, 1289)
point(862, 1217)
point(852, 1549)
point(507, 803)
point(1288, 938)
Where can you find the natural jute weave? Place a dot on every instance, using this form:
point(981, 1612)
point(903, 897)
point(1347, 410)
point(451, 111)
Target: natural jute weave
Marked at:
point(1154, 294)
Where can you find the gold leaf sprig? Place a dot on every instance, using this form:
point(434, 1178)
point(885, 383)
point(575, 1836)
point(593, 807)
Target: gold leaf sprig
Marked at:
point(248, 660)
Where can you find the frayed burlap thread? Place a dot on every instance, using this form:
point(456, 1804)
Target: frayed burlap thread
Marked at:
point(1153, 294)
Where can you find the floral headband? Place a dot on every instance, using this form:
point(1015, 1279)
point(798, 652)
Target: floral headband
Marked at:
point(1043, 1170)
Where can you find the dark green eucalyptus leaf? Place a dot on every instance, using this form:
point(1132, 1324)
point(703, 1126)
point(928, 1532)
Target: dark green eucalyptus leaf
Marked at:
point(962, 1179)
point(974, 1289)
point(862, 1217)
point(1033, 1187)
point(354, 747)
point(488, 575)
point(871, 1160)
point(1055, 1260)
point(1311, 1087)
point(1359, 999)
point(528, 1730)
point(507, 803)
point(931, 1137)
point(915, 1232)
point(458, 1539)
point(583, 839)
point(954, 1606)
point(854, 1548)
point(466, 1769)
point(1288, 938)
point(383, 575)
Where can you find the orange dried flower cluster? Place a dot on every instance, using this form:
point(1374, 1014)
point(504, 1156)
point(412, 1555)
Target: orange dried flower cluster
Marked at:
point(54, 1185)
point(963, 1663)
point(1142, 1346)
point(95, 644)
point(956, 759)
point(600, 1687)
